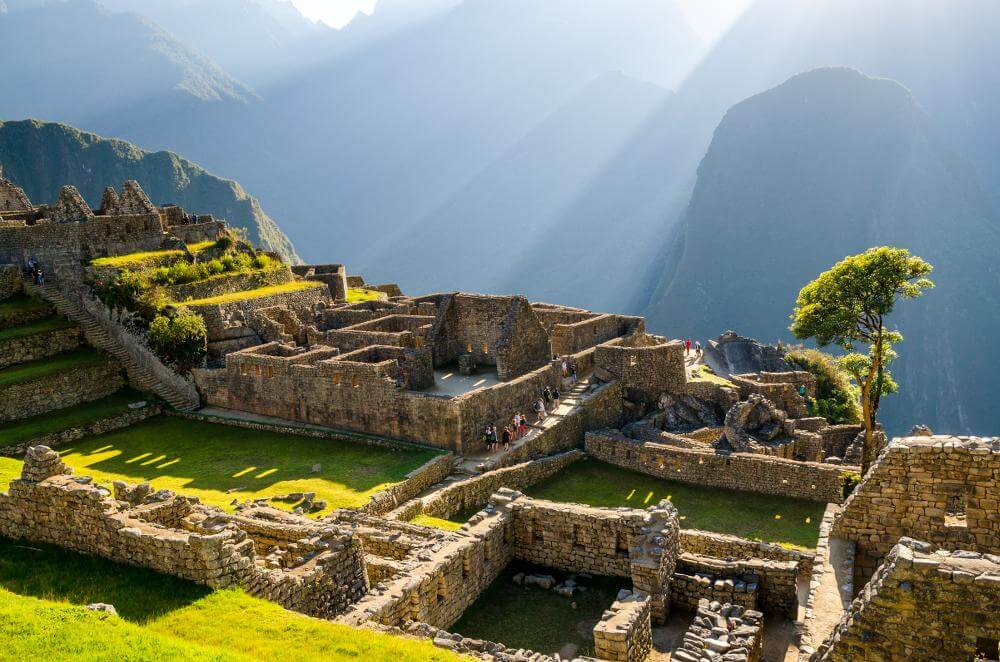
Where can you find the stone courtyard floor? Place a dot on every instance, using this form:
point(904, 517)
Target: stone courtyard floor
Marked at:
point(789, 522)
point(220, 463)
point(538, 619)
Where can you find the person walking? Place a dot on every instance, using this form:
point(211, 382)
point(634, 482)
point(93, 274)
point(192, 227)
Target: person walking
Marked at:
point(517, 425)
point(523, 425)
point(687, 347)
point(506, 437)
point(555, 398)
point(486, 439)
point(697, 348)
point(547, 395)
point(572, 374)
point(540, 409)
point(565, 369)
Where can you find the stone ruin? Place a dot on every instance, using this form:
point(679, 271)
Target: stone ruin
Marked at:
point(722, 632)
point(753, 425)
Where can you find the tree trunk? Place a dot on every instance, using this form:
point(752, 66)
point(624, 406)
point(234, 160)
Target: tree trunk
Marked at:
point(868, 451)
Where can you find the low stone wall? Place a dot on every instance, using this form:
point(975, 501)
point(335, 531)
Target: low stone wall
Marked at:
point(922, 605)
point(773, 581)
point(61, 390)
point(47, 504)
point(600, 409)
point(821, 565)
point(226, 283)
point(473, 493)
point(723, 546)
point(688, 588)
point(624, 633)
point(722, 632)
point(74, 434)
point(430, 473)
point(750, 472)
point(38, 346)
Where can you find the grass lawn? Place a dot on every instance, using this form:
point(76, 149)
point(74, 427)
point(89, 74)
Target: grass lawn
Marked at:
point(533, 618)
point(705, 373)
point(789, 522)
point(219, 463)
point(356, 294)
point(26, 372)
point(437, 522)
point(135, 259)
point(201, 246)
point(71, 417)
point(53, 323)
point(283, 288)
point(43, 588)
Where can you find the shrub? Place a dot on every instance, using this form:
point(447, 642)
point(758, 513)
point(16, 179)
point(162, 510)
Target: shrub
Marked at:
point(836, 396)
point(121, 290)
point(180, 338)
point(850, 480)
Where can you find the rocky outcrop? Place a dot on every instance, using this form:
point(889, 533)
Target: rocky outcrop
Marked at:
point(733, 354)
point(684, 411)
point(753, 423)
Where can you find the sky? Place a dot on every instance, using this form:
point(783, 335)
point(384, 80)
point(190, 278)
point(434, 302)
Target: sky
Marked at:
point(709, 18)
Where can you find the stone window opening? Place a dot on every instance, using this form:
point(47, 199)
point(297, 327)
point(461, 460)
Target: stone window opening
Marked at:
point(256, 370)
point(633, 361)
point(468, 348)
point(270, 371)
point(987, 649)
point(486, 348)
point(621, 544)
point(336, 379)
point(244, 370)
point(954, 511)
point(578, 536)
point(442, 590)
point(486, 556)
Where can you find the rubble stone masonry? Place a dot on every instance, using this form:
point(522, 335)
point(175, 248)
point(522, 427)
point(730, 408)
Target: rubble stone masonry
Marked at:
point(64, 389)
point(624, 633)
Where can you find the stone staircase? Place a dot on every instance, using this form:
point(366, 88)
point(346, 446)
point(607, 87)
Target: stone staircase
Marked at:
point(144, 369)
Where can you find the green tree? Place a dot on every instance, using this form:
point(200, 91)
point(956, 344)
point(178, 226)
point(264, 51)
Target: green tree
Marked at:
point(848, 305)
point(180, 338)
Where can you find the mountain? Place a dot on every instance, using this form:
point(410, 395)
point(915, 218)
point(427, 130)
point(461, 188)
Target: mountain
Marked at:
point(75, 61)
point(41, 157)
point(255, 40)
point(530, 220)
point(371, 142)
point(825, 165)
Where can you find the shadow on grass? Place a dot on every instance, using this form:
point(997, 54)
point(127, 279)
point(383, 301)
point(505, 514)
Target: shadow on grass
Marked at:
point(51, 573)
point(219, 457)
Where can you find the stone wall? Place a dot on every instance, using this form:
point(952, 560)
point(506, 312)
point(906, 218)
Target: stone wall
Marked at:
point(60, 390)
point(724, 546)
point(722, 632)
point(38, 346)
point(74, 434)
point(177, 536)
point(416, 482)
point(219, 316)
point(750, 472)
point(334, 276)
point(755, 583)
point(226, 283)
point(922, 605)
point(574, 337)
point(473, 493)
point(624, 632)
point(781, 388)
point(945, 490)
point(647, 367)
point(10, 280)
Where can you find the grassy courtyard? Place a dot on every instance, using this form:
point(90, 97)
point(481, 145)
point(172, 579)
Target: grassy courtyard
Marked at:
point(219, 463)
point(537, 619)
point(43, 589)
point(789, 522)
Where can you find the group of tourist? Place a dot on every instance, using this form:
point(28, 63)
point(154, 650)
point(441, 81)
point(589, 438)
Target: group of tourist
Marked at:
point(518, 427)
point(37, 275)
point(698, 351)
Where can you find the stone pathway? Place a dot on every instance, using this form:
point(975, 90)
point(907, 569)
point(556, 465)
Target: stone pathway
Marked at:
point(571, 398)
point(834, 595)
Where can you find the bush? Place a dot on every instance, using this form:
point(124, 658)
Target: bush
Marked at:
point(850, 481)
point(836, 396)
point(180, 338)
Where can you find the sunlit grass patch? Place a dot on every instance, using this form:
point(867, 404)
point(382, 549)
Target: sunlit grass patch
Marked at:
point(270, 290)
point(356, 294)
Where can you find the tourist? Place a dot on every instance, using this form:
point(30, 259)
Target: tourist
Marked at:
point(547, 394)
point(506, 437)
point(572, 375)
point(486, 439)
point(555, 397)
point(39, 278)
point(523, 425)
point(697, 348)
point(565, 369)
point(495, 438)
point(687, 347)
point(540, 409)
point(516, 426)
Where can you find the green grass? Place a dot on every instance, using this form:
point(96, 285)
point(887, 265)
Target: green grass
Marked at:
point(201, 246)
point(356, 294)
point(71, 417)
point(789, 522)
point(46, 325)
point(437, 523)
point(283, 288)
point(533, 618)
point(20, 303)
point(135, 259)
point(43, 588)
point(219, 463)
point(25, 372)
point(705, 373)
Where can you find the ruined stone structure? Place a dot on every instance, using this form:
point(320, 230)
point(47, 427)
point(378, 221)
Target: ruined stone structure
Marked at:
point(624, 633)
point(722, 632)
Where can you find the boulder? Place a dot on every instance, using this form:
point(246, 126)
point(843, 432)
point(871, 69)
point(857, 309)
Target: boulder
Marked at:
point(541, 581)
point(733, 354)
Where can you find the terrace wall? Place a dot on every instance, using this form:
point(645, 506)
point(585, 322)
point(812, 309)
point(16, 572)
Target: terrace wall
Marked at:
point(750, 472)
point(217, 316)
point(39, 346)
point(60, 390)
point(74, 434)
point(10, 280)
point(624, 633)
